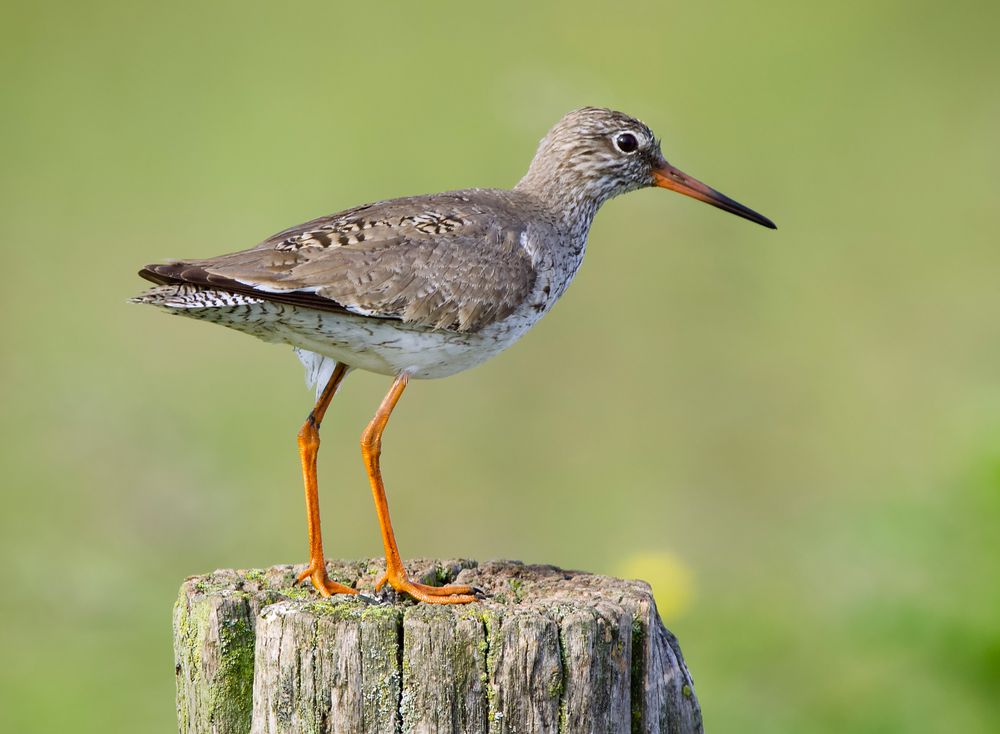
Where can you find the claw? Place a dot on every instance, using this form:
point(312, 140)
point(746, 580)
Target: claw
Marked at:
point(371, 598)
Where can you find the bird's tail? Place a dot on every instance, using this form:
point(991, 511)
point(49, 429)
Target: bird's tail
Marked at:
point(174, 297)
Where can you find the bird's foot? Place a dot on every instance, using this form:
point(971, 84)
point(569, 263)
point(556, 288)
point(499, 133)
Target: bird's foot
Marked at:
point(316, 573)
point(454, 594)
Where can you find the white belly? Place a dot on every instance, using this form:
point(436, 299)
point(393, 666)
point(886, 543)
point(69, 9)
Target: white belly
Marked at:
point(388, 348)
point(380, 346)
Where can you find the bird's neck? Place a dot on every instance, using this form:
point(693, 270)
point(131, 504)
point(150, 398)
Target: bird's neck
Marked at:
point(565, 195)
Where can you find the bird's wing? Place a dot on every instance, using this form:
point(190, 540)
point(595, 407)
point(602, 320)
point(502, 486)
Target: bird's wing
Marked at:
point(442, 262)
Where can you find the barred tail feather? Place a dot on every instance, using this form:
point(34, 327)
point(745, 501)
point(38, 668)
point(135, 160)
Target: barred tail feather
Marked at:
point(190, 296)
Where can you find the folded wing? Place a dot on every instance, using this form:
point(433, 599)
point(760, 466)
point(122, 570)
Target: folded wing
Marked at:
point(439, 262)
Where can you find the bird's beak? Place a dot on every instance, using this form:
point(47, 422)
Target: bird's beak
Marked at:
point(668, 177)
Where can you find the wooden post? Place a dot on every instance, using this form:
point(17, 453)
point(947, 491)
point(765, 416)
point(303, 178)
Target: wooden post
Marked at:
point(547, 651)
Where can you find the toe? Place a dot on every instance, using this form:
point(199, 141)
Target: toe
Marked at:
point(321, 582)
point(435, 594)
point(439, 599)
point(459, 589)
point(303, 576)
point(326, 587)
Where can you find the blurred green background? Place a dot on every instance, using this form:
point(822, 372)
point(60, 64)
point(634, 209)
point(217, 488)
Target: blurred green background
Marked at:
point(794, 435)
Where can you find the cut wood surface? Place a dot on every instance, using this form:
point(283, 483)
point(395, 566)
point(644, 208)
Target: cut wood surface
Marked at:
point(547, 650)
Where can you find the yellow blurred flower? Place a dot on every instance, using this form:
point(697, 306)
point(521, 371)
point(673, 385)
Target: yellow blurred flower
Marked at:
point(672, 580)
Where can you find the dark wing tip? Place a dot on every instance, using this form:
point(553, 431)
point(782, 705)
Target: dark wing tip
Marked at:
point(176, 273)
point(157, 273)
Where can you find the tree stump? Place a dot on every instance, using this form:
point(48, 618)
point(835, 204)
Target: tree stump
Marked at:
point(546, 651)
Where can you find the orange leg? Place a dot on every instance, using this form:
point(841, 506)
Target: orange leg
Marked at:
point(308, 449)
point(395, 574)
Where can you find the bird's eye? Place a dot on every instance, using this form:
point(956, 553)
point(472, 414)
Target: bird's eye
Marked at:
point(626, 143)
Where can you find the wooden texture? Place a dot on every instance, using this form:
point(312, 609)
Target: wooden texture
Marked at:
point(547, 651)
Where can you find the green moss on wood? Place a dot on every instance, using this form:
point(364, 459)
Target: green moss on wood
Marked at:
point(297, 592)
point(442, 575)
point(232, 693)
point(556, 686)
point(214, 646)
point(517, 587)
point(491, 632)
point(255, 574)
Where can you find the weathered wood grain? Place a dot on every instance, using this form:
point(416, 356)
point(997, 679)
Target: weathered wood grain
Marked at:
point(547, 651)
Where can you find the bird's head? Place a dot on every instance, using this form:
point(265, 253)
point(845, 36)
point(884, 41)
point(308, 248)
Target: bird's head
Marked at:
point(595, 154)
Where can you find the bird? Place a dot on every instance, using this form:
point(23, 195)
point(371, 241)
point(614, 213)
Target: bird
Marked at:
point(422, 287)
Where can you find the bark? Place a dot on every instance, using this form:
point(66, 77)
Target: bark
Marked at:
point(546, 651)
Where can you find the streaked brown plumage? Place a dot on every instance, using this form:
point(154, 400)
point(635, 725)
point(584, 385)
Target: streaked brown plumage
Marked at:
point(423, 286)
point(448, 261)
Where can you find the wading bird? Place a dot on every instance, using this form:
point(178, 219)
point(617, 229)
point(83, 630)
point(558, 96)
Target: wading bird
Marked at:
point(422, 287)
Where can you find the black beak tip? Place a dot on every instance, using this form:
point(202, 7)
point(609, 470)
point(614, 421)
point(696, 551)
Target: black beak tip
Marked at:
point(750, 214)
point(734, 207)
